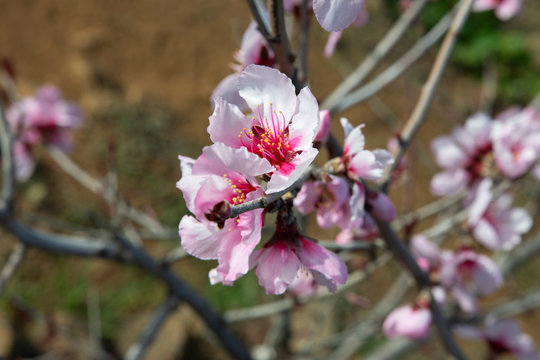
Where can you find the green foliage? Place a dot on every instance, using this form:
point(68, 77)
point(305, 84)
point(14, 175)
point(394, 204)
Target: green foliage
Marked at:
point(487, 40)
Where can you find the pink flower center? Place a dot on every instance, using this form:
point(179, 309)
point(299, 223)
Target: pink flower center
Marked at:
point(269, 139)
point(239, 188)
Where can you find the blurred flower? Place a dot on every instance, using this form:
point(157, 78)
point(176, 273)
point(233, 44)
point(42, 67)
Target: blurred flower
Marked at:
point(336, 15)
point(462, 155)
point(495, 223)
point(412, 321)
point(361, 163)
point(503, 337)
point(43, 119)
point(504, 9)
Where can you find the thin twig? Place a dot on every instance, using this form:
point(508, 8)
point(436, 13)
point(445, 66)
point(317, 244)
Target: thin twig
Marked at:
point(97, 187)
point(13, 262)
point(8, 164)
point(264, 201)
point(183, 292)
point(444, 330)
point(280, 43)
point(396, 69)
point(304, 40)
point(371, 61)
point(428, 91)
point(259, 13)
point(138, 350)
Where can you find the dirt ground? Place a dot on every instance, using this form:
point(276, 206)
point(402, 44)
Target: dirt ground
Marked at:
point(172, 54)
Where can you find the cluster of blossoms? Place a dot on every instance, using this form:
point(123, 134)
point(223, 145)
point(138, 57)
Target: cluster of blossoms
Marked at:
point(265, 152)
point(482, 152)
point(41, 119)
point(504, 9)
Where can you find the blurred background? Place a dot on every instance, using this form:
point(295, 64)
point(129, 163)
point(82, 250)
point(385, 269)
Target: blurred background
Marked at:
point(143, 72)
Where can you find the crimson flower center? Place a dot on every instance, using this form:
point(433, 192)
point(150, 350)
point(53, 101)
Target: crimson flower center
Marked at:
point(269, 137)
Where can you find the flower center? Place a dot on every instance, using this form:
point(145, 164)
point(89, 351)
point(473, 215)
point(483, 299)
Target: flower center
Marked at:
point(239, 189)
point(269, 137)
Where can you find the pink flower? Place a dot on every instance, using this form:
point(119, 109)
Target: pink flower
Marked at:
point(206, 184)
point(516, 141)
point(495, 223)
point(504, 9)
point(360, 163)
point(287, 253)
point(280, 130)
point(333, 200)
point(336, 15)
point(466, 273)
point(503, 337)
point(45, 118)
point(324, 129)
point(411, 321)
point(462, 155)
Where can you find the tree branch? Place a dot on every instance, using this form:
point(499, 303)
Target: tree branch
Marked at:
point(8, 164)
point(372, 60)
point(419, 113)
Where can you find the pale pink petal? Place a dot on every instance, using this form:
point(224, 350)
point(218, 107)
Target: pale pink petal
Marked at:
point(277, 267)
point(331, 43)
point(484, 5)
point(448, 182)
point(24, 162)
point(268, 88)
point(221, 159)
point(199, 239)
point(226, 123)
point(482, 199)
point(348, 128)
point(422, 247)
point(519, 220)
point(355, 140)
point(325, 262)
point(487, 276)
point(227, 90)
point(508, 8)
point(324, 129)
point(336, 15)
point(281, 181)
point(305, 122)
point(465, 298)
point(407, 321)
point(307, 197)
point(447, 153)
point(364, 165)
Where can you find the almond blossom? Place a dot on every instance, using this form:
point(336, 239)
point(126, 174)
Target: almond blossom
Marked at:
point(494, 223)
point(412, 321)
point(504, 9)
point(516, 141)
point(463, 155)
point(503, 337)
point(288, 253)
point(467, 273)
point(209, 187)
point(279, 130)
point(336, 203)
point(43, 119)
point(464, 272)
point(358, 162)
